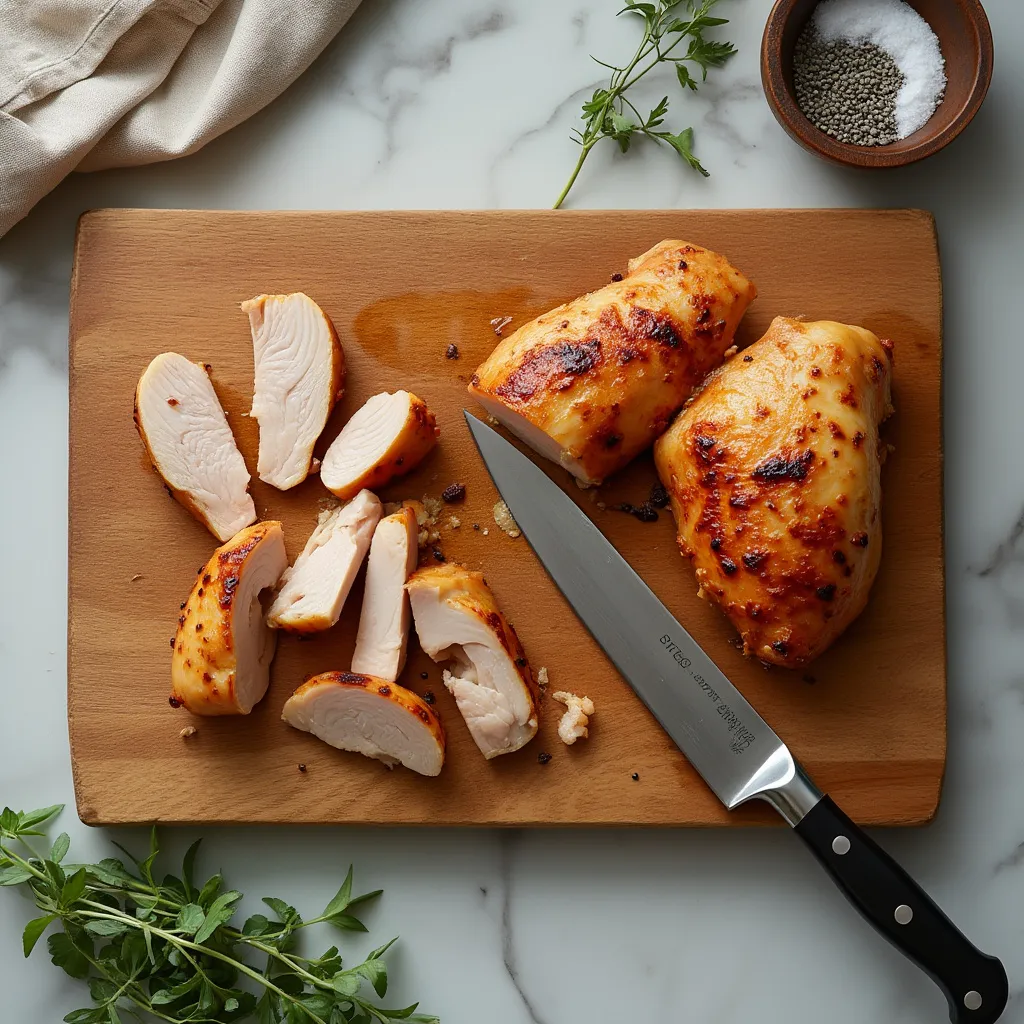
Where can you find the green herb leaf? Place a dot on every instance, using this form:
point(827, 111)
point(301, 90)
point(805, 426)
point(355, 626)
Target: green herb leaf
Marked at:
point(65, 954)
point(74, 887)
point(188, 866)
point(60, 848)
point(682, 144)
point(92, 1015)
point(209, 891)
point(286, 914)
point(221, 911)
point(376, 973)
point(33, 930)
point(105, 928)
point(15, 874)
point(342, 898)
point(191, 918)
point(346, 983)
point(347, 923)
point(33, 819)
point(256, 925)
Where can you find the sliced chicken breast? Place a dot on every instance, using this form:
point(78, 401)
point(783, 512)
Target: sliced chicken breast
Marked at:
point(388, 436)
point(181, 423)
point(591, 384)
point(223, 649)
point(458, 620)
point(384, 623)
point(300, 374)
point(313, 590)
point(369, 716)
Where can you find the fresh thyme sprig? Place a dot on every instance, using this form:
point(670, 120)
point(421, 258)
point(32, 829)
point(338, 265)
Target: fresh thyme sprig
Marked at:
point(609, 113)
point(166, 950)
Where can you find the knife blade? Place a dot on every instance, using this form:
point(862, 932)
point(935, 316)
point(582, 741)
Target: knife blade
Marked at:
point(730, 745)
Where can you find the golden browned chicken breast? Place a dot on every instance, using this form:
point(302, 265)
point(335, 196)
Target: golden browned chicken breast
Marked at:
point(774, 475)
point(592, 383)
point(220, 664)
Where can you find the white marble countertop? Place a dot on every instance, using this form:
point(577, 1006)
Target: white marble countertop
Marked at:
point(469, 103)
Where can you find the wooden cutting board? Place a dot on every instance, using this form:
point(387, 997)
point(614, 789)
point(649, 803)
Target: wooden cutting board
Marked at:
point(869, 718)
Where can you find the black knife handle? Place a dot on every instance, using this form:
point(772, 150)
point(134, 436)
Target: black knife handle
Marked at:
point(975, 984)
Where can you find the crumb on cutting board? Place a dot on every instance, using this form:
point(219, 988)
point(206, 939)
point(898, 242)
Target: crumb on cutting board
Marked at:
point(503, 517)
point(573, 724)
point(189, 730)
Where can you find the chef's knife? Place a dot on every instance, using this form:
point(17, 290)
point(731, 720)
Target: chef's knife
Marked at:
point(723, 737)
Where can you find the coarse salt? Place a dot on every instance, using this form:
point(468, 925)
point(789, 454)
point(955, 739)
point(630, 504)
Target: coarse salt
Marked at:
point(897, 28)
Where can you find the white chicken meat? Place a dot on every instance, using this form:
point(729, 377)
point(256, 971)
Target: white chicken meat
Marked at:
point(190, 444)
point(300, 374)
point(458, 620)
point(314, 589)
point(387, 437)
point(369, 716)
point(384, 622)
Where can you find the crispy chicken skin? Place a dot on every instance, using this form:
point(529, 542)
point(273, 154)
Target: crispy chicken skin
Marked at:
point(369, 716)
point(592, 383)
point(458, 620)
point(774, 475)
point(220, 664)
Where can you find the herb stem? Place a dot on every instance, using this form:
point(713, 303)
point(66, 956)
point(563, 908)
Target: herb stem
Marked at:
point(183, 944)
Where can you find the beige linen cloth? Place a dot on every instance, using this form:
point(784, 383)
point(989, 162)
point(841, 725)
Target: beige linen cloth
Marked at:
point(90, 84)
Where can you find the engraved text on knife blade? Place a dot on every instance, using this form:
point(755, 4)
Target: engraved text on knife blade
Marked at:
point(742, 737)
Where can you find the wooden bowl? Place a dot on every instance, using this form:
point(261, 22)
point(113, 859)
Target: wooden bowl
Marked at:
point(966, 43)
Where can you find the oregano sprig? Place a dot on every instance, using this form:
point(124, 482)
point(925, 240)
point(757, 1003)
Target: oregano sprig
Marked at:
point(166, 950)
point(610, 114)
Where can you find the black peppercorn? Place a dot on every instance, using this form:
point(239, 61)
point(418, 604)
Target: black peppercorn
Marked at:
point(543, 757)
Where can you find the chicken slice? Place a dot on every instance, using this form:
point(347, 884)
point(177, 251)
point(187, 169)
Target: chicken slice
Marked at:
point(223, 649)
point(181, 423)
point(300, 374)
point(592, 383)
point(388, 436)
point(774, 472)
point(384, 622)
point(572, 726)
point(458, 620)
point(369, 716)
point(313, 590)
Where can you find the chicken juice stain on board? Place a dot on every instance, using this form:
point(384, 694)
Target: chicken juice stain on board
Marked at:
point(417, 327)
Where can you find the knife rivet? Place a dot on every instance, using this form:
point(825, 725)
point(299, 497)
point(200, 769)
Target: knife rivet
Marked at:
point(972, 1000)
point(903, 914)
point(841, 845)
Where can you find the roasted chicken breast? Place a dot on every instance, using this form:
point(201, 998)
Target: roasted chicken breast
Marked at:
point(313, 590)
point(369, 716)
point(220, 664)
point(384, 622)
point(181, 423)
point(300, 374)
point(774, 475)
point(458, 620)
point(592, 383)
point(388, 436)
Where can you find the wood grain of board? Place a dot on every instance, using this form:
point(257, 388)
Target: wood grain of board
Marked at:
point(868, 719)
